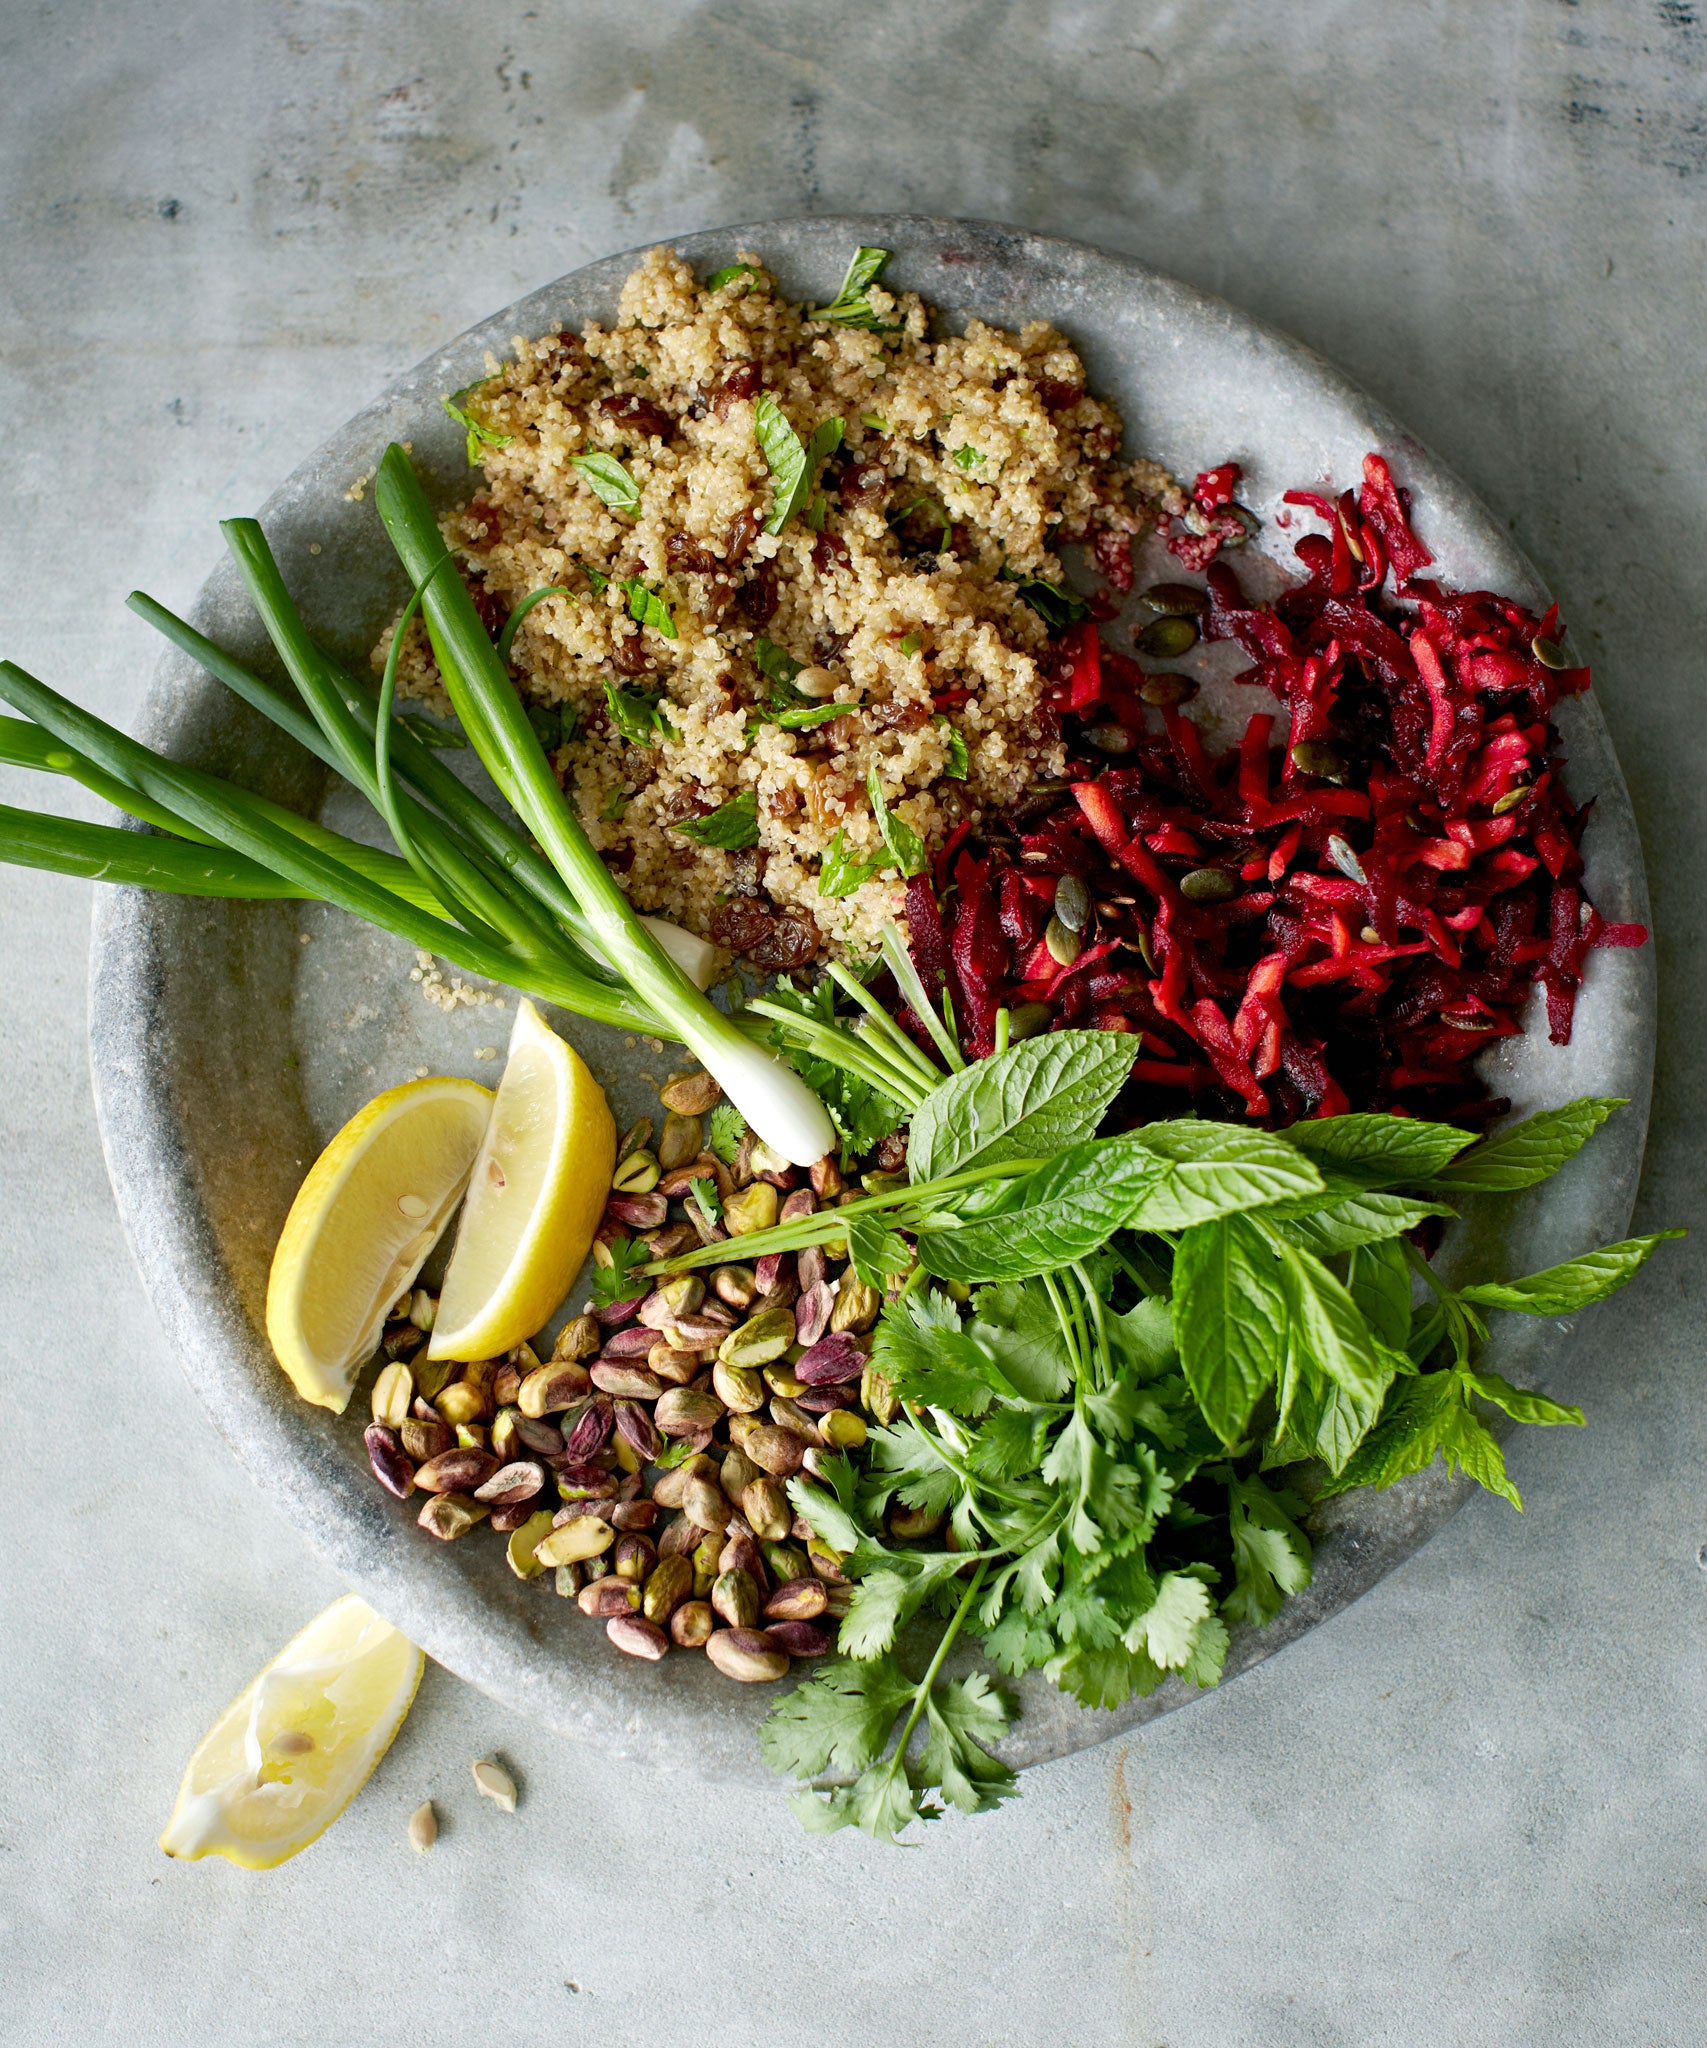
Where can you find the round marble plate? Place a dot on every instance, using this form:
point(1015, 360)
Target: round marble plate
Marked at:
point(229, 1040)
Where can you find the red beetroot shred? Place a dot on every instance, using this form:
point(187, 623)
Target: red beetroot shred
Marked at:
point(1341, 922)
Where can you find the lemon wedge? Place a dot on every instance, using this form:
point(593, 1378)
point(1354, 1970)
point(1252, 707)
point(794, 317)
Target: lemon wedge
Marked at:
point(374, 1204)
point(284, 1760)
point(535, 1198)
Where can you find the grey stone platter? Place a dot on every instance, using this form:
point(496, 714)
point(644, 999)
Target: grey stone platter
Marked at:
point(228, 1041)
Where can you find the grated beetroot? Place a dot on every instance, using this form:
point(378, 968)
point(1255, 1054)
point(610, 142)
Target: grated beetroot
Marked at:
point(1341, 922)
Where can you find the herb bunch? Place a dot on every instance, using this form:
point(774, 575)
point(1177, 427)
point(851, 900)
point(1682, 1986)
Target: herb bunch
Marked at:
point(1112, 1377)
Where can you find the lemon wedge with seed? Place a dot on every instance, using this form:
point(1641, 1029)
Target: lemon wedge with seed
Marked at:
point(374, 1204)
point(284, 1760)
point(535, 1198)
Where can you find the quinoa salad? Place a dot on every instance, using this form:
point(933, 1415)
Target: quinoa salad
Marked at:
point(785, 576)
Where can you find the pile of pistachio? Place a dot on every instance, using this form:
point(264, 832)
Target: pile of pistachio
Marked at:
point(644, 1463)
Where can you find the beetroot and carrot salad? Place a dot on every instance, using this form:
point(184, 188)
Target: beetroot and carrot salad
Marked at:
point(1340, 912)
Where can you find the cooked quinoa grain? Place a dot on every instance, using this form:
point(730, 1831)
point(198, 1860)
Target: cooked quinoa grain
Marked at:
point(964, 463)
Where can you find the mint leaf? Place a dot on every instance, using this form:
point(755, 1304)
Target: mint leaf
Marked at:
point(793, 464)
point(775, 663)
point(904, 844)
point(647, 608)
point(959, 760)
point(639, 716)
point(609, 481)
point(1562, 1290)
point(1521, 1403)
point(479, 436)
point(876, 1251)
point(1032, 1100)
point(842, 871)
point(1378, 1279)
point(1528, 1152)
point(1394, 1148)
point(1360, 1220)
point(1057, 606)
point(728, 274)
point(732, 825)
point(852, 307)
point(1232, 1320)
point(1215, 1170)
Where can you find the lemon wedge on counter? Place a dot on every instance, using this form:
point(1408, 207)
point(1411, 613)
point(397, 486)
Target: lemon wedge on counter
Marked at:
point(284, 1760)
point(535, 1198)
point(374, 1204)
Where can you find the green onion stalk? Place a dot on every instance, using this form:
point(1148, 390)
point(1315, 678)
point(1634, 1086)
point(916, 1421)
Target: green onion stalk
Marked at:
point(775, 1101)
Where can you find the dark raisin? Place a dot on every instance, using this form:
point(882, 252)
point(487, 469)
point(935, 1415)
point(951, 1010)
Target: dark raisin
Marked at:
point(892, 1153)
point(740, 924)
point(491, 607)
point(863, 480)
point(629, 409)
point(628, 654)
point(757, 599)
point(829, 551)
point(560, 352)
point(744, 529)
point(747, 871)
point(897, 717)
point(791, 943)
point(1056, 396)
point(683, 552)
point(746, 380)
point(483, 522)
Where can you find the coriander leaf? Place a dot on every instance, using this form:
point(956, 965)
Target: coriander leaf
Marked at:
point(1105, 1677)
point(1378, 1279)
point(1217, 1170)
point(852, 307)
point(793, 464)
point(775, 663)
point(860, 1112)
point(842, 871)
point(479, 436)
point(1231, 1319)
point(1522, 1404)
point(1057, 606)
point(1399, 1148)
point(732, 825)
point(619, 1281)
point(704, 1194)
point(828, 1516)
point(1063, 1210)
point(639, 716)
point(1032, 1100)
point(838, 1721)
point(1017, 1644)
point(1561, 1290)
point(1141, 1342)
point(908, 1457)
point(961, 1717)
point(609, 481)
point(647, 608)
point(959, 760)
point(902, 841)
point(1008, 1444)
point(967, 457)
point(874, 1614)
point(1169, 1628)
point(1271, 1557)
point(1528, 1152)
point(1209, 1653)
point(728, 274)
point(1360, 1220)
point(725, 1131)
point(676, 1454)
point(1019, 1328)
point(876, 1251)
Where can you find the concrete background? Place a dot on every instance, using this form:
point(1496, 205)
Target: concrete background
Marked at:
point(1472, 1809)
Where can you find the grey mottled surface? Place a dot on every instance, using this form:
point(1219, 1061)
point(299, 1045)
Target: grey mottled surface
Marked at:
point(1467, 1810)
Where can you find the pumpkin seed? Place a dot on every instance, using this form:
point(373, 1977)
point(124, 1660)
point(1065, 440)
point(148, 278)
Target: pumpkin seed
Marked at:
point(1072, 902)
point(1549, 653)
point(1511, 799)
point(1167, 689)
point(1167, 638)
point(1208, 885)
point(1064, 945)
point(1111, 739)
point(1147, 952)
point(1310, 757)
point(1027, 1020)
point(1340, 853)
point(1178, 600)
